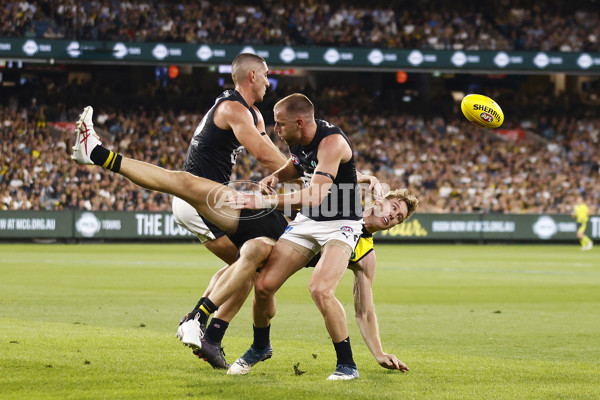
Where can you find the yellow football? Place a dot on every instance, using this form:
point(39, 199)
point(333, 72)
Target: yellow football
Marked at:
point(482, 111)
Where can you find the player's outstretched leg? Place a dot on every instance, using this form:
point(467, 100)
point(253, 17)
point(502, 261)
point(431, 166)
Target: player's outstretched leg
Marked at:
point(242, 365)
point(206, 196)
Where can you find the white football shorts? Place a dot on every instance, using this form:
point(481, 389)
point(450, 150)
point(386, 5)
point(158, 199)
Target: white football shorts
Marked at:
point(187, 217)
point(312, 235)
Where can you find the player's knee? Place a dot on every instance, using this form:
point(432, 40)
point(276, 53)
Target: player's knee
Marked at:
point(222, 248)
point(262, 290)
point(320, 293)
point(256, 250)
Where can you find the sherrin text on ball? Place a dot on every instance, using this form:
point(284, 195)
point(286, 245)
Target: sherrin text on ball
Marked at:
point(482, 111)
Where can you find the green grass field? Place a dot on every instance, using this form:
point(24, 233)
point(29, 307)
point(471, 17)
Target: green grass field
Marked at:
point(472, 322)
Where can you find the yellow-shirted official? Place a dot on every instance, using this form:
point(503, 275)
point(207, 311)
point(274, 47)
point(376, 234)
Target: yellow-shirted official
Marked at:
point(582, 214)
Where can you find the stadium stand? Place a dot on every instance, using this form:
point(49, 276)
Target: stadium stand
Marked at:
point(452, 165)
point(425, 145)
point(435, 24)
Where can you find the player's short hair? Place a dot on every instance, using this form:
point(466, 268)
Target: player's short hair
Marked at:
point(243, 63)
point(295, 104)
point(404, 195)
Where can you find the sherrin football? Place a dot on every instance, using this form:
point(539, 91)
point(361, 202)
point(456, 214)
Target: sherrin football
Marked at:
point(482, 111)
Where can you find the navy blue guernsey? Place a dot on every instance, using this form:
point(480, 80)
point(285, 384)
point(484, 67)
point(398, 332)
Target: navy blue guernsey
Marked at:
point(213, 151)
point(343, 200)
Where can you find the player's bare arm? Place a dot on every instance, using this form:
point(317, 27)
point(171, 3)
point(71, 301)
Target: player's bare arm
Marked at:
point(364, 274)
point(233, 115)
point(260, 125)
point(373, 182)
point(333, 150)
point(262, 129)
point(286, 173)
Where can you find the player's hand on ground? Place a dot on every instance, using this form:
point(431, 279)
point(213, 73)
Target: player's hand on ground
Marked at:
point(267, 184)
point(390, 361)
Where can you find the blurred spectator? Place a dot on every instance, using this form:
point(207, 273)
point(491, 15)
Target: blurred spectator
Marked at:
point(436, 24)
point(452, 165)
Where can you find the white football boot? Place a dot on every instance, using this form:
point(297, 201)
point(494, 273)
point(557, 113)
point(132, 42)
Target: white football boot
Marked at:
point(87, 139)
point(191, 333)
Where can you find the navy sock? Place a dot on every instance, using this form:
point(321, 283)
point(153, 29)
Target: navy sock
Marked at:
point(344, 352)
point(200, 302)
point(106, 158)
point(192, 314)
point(205, 308)
point(261, 337)
point(216, 330)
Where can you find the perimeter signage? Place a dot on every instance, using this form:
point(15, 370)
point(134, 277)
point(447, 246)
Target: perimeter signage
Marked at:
point(420, 227)
point(325, 57)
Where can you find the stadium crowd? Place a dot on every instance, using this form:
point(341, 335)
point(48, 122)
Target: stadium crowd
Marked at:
point(435, 24)
point(452, 165)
